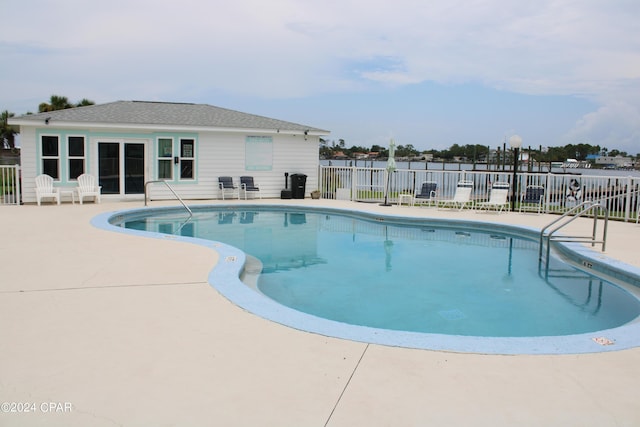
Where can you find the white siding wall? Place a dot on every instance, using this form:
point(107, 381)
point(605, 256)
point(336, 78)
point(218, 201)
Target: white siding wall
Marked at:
point(224, 155)
point(218, 154)
point(28, 163)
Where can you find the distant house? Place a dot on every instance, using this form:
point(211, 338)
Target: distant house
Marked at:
point(339, 155)
point(614, 161)
point(128, 143)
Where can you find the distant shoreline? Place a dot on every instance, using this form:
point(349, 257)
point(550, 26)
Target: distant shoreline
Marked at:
point(438, 166)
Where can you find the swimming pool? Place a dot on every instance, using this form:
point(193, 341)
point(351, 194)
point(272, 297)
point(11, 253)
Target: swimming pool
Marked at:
point(374, 296)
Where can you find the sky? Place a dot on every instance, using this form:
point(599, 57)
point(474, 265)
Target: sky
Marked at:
point(430, 73)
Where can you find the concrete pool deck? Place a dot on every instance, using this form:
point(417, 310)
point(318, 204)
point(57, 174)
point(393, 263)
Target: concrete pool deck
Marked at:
point(103, 329)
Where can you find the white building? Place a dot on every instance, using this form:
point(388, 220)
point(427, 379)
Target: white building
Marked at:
point(128, 143)
point(615, 161)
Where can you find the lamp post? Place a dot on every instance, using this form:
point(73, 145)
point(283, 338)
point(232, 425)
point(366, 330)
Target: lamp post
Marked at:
point(515, 142)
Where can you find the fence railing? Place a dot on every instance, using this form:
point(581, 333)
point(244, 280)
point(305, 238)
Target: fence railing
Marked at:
point(619, 194)
point(10, 185)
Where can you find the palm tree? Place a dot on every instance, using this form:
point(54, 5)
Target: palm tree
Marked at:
point(7, 133)
point(55, 103)
point(61, 103)
point(85, 102)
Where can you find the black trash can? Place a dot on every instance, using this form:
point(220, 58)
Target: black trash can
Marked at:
point(298, 184)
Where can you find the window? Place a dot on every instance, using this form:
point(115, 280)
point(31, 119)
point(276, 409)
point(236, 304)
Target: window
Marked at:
point(258, 153)
point(165, 158)
point(176, 161)
point(186, 158)
point(76, 156)
point(51, 156)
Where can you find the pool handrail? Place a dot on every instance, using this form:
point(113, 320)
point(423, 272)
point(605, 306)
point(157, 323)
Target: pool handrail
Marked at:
point(584, 207)
point(170, 189)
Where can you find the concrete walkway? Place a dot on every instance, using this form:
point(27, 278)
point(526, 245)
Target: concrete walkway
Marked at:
point(105, 329)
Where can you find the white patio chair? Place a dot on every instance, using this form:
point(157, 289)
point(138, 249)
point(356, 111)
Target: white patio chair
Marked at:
point(87, 188)
point(460, 198)
point(45, 189)
point(497, 198)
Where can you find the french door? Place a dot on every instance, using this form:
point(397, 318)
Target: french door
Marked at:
point(121, 167)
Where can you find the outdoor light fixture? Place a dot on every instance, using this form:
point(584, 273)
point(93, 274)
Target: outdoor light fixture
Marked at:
point(515, 142)
point(46, 121)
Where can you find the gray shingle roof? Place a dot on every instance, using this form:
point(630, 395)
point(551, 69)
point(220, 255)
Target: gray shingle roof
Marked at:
point(166, 114)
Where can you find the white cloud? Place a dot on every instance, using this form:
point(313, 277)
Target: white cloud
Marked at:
point(612, 126)
point(170, 50)
point(546, 47)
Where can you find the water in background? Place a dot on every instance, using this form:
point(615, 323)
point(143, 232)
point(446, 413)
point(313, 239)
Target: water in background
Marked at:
point(438, 166)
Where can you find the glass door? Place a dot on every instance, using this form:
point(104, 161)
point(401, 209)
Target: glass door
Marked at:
point(133, 168)
point(109, 167)
point(121, 167)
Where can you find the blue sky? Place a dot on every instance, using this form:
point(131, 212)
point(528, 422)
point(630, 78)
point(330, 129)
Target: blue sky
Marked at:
point(427, 73)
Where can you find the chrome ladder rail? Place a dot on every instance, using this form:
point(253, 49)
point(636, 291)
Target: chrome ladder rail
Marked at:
point(146, 184)
point(579, 211)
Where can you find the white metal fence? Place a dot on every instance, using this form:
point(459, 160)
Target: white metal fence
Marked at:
point(561, 191)
point(9, 185)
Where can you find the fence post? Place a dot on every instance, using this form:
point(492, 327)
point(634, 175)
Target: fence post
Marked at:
point(18, 181)
point(547, 193)
point(354, 177)
point(627, 202)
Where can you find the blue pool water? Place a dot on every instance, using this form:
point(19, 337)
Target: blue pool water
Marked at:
point(425, 278)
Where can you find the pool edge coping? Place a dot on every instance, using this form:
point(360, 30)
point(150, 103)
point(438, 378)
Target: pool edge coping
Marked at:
point(225, 278)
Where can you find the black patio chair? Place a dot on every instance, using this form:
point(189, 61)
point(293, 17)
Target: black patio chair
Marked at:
point(532, 199)
point(226, 186)
point(248, 186)
point(428, 193)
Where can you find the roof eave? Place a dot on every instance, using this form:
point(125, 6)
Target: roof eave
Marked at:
point(160, 127)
